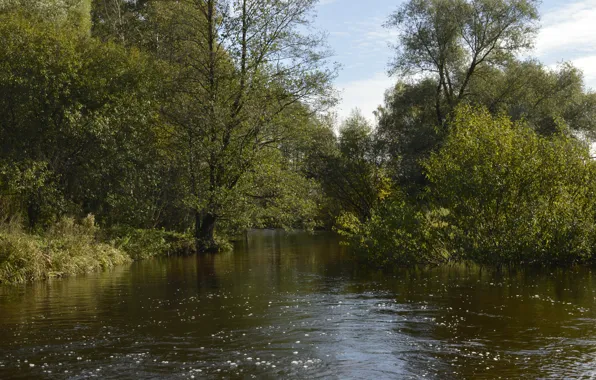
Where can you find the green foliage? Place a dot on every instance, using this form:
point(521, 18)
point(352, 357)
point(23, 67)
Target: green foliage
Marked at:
point(278, 196)
point(452, 40)
point(142, 244)
point(74, 13)
point(244, 74)
point(498, 192)
point(139, 139)
point(407, 131)
point(541, 96)
point(349, 169)
point(68, 248)
point(127, 22)
point(86, 111)
point(398, 232)
point(28, 191)
point(513, 195)
point(204, 118)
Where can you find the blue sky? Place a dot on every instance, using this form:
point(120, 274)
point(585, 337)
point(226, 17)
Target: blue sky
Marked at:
point(360, 44)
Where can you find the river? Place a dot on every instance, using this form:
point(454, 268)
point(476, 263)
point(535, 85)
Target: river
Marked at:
point(295, 306)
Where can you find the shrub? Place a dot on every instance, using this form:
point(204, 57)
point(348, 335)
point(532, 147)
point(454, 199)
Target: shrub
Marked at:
point(398, 233)
point(141, 244)
point(497, 193)
point(513, 195)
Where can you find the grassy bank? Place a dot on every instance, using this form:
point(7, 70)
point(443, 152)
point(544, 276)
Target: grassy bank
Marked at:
point(71, 248)
point(68, 248)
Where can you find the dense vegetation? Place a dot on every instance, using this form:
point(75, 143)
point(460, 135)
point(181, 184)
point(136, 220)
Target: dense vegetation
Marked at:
point(130, 129)
point(487, 156)
point(175, 124)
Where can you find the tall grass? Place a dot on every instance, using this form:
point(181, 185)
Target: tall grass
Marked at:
point(67, 248)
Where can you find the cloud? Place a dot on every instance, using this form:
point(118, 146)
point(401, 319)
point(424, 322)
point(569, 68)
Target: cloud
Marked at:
point(373, 34)
point(568, 33)
point(568, 29)
point(365, 94)
point(588, 66)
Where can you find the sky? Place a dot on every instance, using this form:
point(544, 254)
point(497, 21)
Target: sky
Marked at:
point(361, 45)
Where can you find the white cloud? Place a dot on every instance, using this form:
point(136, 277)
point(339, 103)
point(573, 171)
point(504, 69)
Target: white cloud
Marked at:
point(365, 94)
point(373, 35)
point(569, 33)
point(570, 28)
point(587, 64)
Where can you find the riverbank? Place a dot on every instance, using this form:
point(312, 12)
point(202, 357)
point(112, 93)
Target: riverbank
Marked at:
point(71, 248)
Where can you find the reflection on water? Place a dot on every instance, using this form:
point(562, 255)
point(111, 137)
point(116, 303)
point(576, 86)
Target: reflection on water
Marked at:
point(293, 305)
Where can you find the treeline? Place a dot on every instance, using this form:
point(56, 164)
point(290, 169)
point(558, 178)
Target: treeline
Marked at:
point(481, 155)
point(175, 124)
point(130, 129)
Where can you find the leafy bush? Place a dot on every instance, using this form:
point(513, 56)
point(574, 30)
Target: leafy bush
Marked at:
point(497, 193)
point(29, 191)
point(513, 195)
point(141, 244)
point(398, 233)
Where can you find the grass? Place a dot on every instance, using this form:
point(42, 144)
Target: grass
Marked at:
point(68, 248)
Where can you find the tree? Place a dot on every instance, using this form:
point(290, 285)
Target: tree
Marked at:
point(120, 20)
point(244, 74)
point(407, 131)
point(452, 40)
point(350, 169)
point(83, 112)
point(541, 96)
point(524, 90)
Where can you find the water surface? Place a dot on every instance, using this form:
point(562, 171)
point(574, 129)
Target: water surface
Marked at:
point(295, 306)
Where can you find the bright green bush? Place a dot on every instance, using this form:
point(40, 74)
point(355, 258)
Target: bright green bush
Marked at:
point(514, 196)
point(399, 232)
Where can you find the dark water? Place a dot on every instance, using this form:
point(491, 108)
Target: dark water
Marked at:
point(294, 306)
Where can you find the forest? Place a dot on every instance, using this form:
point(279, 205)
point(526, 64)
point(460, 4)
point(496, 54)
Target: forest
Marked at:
point(132, 129)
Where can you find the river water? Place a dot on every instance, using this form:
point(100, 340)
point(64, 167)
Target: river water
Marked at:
point(295, 306)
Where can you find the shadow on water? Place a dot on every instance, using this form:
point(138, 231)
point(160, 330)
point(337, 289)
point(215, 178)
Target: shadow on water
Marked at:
point(294, 305)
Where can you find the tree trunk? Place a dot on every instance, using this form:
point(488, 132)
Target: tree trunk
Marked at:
point(205, 232)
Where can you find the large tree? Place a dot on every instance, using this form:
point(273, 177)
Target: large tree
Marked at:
point(452, 40)
point(244, 74)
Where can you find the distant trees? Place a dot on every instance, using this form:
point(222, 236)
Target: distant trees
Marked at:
point(349, 170)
